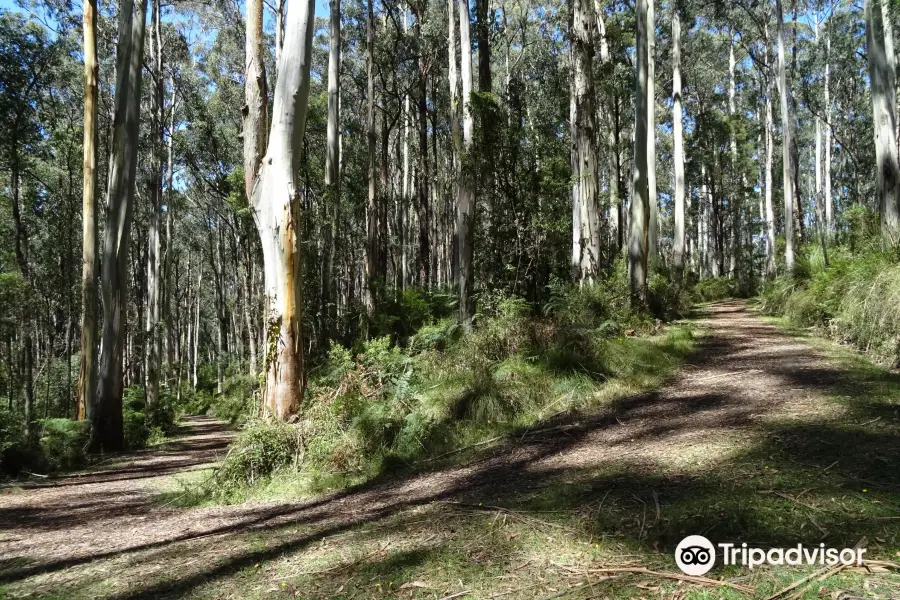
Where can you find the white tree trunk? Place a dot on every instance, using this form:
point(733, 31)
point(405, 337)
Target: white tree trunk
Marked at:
point(678, 144)
point(787, 126)
point(736, 201)
point(333, 161)
point(881, 76)
point(276, 210)
point(640, 202)
point(652, 200)
point(465, 199)
point(371, 207)
point(829, 201)
point(152, 339)
point(583, 142)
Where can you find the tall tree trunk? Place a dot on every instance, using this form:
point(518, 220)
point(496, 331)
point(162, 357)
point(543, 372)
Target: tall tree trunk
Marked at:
point(371, 208)
point(87, 378)
point(640, 201)
point(106, 417)
point(652, 200)
point(332, 163)
point(171, 341)
point(818, 141)
point(881, 75)
point(455, 133)
point(770, 150)
point(195, 360)
point(276, 211)
point(422, 209)
point(678, 145)
point(407, 172)
point(152, 334)
point(465, 200)
point(787, 127)
point(584, 142)
point(829, 201)
point(256, 96)
point(736, 179)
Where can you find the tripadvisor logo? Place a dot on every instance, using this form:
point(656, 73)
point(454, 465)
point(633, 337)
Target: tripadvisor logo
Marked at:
point(695, 555)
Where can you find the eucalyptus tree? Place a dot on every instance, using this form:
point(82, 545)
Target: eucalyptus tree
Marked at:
point(584, 163)
point(87, 380)
point(106, 415)
point(884, 106)
point(640, 199)
point(465, 203)
point(787, 125)
point(678, 143)
point(276, 210)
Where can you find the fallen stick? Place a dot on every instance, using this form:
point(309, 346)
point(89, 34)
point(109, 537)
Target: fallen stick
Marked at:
point(457, 595)
point(463, 449)
point(823, 571)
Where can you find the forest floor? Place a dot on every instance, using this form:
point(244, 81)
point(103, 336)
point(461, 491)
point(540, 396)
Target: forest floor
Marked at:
point(766, 436)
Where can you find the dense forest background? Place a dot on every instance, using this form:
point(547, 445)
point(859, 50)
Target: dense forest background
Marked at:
point(219, 206)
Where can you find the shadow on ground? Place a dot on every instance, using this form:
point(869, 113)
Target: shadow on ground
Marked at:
point(759, 440)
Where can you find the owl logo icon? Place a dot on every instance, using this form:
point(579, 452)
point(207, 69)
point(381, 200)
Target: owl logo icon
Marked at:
point(695, 555)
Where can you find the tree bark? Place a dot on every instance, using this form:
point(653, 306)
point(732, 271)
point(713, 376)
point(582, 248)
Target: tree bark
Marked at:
point(583, 142)
point(371, 207)
point(152, 334)
point(106, 418)
point(678, 145)
point(332, 163)
point(736, 178)
point(87, 379)
point(881, 75)
point(465, 200)
point(770, 150)
point(276, 210)
point(422, 209)
point(256, 96)
point(640, 205)
point(829, 201)
point(787, 126)
point(652, 199)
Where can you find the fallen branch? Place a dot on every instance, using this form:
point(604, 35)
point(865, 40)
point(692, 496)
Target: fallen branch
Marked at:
point(464, 448)
point(456, 595)
point(823, 572)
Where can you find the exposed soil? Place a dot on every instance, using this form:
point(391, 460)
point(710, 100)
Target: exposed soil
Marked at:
point(60, 536)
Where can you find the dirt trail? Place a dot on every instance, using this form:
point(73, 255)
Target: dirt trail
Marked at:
point(64, 535)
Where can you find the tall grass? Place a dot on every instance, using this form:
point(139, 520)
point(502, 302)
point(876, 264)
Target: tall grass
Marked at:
point(854, 298)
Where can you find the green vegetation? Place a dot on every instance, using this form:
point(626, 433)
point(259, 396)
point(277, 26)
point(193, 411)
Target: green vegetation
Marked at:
point(854, 298)
point(381, 406)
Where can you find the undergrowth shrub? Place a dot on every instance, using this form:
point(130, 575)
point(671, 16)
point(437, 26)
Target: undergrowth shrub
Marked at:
point(380, 404)
point(260, 451)
point(855, 298)
point(715, 288)
point(239, 400)
point(62, 443)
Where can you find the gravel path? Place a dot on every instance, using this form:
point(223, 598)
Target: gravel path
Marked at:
point(99, 534)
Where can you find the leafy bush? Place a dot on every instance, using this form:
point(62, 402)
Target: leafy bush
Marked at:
point(62, 443)
point(715, 288)
point(854, 299)
point(239, 400)
point(261, 450)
